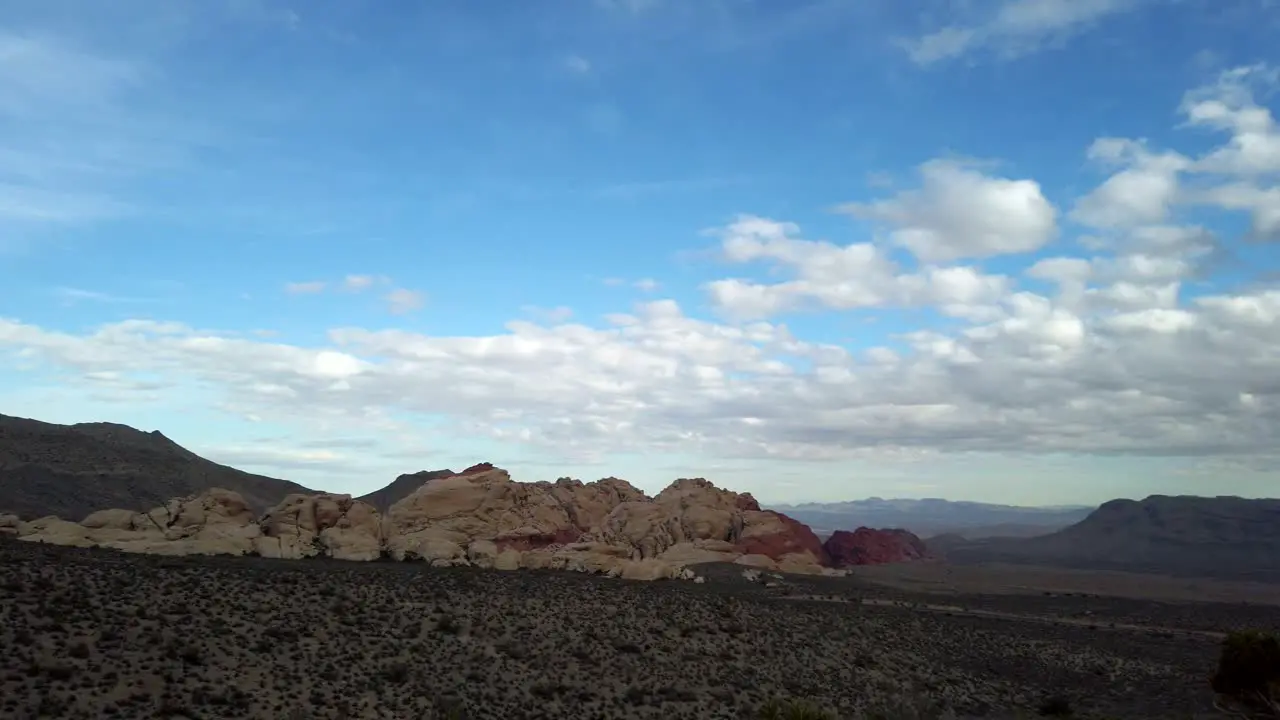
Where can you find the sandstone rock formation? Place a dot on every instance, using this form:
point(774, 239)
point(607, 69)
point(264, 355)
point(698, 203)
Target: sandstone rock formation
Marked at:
point(866, 546)
point(481, 517)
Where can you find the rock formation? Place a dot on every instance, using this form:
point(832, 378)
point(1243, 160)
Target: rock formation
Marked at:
point(481, 517)
point(866, 546)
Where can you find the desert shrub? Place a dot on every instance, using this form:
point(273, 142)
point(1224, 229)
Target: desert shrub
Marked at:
point(793, 710)
point(1248, 671)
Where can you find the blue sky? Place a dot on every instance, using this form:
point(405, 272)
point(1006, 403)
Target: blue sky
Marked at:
point(1010, 250)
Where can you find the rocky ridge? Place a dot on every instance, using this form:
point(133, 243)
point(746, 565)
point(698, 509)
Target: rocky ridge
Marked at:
point(866, 546)
point(480, 517)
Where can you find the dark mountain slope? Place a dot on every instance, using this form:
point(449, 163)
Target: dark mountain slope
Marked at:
point(73, 470)
point(400, 488)
point(1178, 535)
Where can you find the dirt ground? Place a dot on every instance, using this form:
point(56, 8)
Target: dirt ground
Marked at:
point(92, 633)
point(938, 577)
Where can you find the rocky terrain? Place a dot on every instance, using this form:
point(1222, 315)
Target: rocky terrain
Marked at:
point(481, 517)
point(73, 470)
point(99, 633)
point(1225, 537)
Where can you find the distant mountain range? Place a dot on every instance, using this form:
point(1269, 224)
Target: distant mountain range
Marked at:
point(934, 516)
point(1178, 535)
point(73, 470)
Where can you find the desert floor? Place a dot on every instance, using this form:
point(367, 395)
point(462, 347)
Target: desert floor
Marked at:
point(91, 633)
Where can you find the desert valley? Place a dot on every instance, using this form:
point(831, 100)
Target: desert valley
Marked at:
point(175, 587)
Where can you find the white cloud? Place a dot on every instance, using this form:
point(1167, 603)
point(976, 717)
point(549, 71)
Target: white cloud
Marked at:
point(1229, 105)
point(1017, 27)
point(401, 301)
point(1143, 193)
point(646, 285)
point(960, 213)
point(38, 72)
point(577, 65)
point(554, 315)
point(1102, 354)
point(1037, 377)
point(310, 287)
point(356, 283)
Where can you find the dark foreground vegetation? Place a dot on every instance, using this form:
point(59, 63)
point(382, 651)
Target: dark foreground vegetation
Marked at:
point(99, 634)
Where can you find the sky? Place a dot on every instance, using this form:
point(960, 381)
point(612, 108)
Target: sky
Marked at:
point(1019, 251)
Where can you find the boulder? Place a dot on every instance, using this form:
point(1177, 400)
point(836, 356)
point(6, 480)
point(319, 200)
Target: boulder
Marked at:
point(326, 525)
point(9, 524)
point(215, 522)
point(867, 546)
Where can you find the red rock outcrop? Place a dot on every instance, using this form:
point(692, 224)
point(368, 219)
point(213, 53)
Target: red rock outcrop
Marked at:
point(867, 546)
point(479, 517)
point(792, 537)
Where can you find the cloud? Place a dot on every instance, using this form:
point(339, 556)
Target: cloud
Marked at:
point(629, 7)
point(960, 213)
point(1018, 27)
point(1229, 105)
point(555, 315)
point(360, 283)
point(1106, 353)
point(577, 65)
point(646, 285)
point(859, 275)
point(1238, 175)
point(1142, 193)
point(39, 72)
point(80, 127)
point(311, 287)
point(73, 295)
point(401, 301)
point(398, 300)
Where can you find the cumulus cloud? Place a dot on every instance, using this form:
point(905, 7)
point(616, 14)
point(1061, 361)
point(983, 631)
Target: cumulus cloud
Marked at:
point(1142, 193)
point(859, 275)
point(959, 212)
point(1105, 353)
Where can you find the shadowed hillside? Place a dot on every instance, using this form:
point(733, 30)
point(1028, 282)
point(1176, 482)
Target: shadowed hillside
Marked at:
point(400, 488)
point(1179, 535)
point(73, 470)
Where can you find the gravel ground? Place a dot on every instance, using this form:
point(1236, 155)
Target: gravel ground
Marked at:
point(94, 633)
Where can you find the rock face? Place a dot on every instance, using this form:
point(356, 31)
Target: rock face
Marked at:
point(478, 517)
point(866, 546)
point(321, 525)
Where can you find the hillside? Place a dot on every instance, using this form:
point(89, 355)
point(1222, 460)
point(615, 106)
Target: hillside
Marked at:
point(73, 470)
point(934, 516)
point(400, 488)
point(1178, 535)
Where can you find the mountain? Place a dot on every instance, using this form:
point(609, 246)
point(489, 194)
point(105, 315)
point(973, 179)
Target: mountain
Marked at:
point(1223, 536)
point(73, 470)
point(935, 516)
point(402, 487)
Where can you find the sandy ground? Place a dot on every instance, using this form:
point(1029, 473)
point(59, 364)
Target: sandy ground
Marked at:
point(91, 634)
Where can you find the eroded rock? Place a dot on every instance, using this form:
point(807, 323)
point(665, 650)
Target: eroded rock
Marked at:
point(867, 546)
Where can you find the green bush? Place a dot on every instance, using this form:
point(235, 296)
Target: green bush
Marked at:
point(1248, 671)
